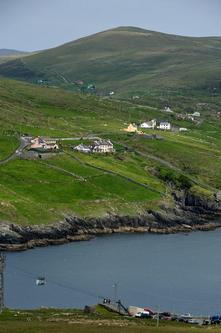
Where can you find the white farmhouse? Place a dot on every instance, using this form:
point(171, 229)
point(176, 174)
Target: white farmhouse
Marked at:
point(165, 125)
point(103, 146)
point(149, 124)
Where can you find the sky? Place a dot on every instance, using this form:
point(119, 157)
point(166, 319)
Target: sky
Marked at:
point(39, 24)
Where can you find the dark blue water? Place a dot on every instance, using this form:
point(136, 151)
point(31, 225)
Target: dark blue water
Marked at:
point(176, 272)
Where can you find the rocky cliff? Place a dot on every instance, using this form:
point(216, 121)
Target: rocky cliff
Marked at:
point(188, 213)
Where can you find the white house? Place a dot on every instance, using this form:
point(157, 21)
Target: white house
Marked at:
point(103, 146)
point(149, 124)
point(99, 146)
point(165, 125)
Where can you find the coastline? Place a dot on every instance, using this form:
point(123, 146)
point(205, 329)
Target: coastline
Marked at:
point(24, 238)
point(188, 213)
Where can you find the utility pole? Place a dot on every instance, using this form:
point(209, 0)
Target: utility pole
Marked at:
point(158, 316)
point(115, 286)
point(2, 266)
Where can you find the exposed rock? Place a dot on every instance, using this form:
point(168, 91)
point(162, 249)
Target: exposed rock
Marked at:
point(189, 213)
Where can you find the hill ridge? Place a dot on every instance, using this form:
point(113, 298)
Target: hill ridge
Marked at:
point(127, 60)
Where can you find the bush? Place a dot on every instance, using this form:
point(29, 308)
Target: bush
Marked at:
point(178, 180)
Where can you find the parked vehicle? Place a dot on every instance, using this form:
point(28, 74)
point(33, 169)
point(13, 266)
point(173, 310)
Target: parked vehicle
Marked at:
point(195, 321)
point(143, 314)
point(184, 318)
point(165, 316)
point(215, 319)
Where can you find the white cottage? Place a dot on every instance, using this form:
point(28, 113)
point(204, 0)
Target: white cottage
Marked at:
point(165, 125)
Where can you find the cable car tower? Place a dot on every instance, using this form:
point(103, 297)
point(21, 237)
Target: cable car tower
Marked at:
point(2, 266)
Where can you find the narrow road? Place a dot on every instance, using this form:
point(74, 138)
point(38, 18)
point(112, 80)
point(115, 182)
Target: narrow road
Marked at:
point(24, 142)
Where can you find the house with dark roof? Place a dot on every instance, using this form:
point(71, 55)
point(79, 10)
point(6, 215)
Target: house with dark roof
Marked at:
point(102, 146)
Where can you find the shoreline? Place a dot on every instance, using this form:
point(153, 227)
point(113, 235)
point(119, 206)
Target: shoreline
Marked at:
point(188, 213)
point(89, 234)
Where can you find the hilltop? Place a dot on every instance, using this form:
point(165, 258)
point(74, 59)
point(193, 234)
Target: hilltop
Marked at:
point(128, 61)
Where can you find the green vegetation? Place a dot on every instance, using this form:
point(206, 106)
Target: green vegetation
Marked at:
point(154, 63)
point(8, 145)
point(76, 321)
point(133, 180)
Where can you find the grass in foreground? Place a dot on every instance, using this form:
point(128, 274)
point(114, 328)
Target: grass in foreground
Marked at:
point(75, 321)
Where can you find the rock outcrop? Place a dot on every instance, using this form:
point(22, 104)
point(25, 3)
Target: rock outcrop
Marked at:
point(188, 213)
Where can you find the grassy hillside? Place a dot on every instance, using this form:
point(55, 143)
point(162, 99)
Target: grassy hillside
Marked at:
point(128, 61)
point(69, 183)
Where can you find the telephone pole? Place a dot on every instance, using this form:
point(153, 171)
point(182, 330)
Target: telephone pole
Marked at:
point(115, 286)
point(2, 266)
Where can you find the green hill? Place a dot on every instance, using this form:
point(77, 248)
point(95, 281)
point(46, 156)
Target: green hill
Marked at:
point(127, 60)
point(136, 178)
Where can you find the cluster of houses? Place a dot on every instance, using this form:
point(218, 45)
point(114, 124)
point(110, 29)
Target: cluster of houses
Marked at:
point(98, 146)
point(181, 116)
point(152, 124)
point(51, 145)
point(189, 116)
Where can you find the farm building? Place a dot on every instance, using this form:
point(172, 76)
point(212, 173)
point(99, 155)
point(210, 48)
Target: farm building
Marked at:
point(196, 114)
point(44, 143)
point(149, 124)
point(82, 148)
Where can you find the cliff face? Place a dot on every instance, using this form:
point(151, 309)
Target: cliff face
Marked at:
point(189, 213)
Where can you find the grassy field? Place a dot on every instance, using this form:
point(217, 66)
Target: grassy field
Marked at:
point(71, 183)
point(71, 321)
point(8, 144)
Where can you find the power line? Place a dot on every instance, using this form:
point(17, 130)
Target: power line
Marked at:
point(59, 284)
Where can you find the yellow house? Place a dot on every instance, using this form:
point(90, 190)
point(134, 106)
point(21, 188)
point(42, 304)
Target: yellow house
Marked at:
point(132, 128)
